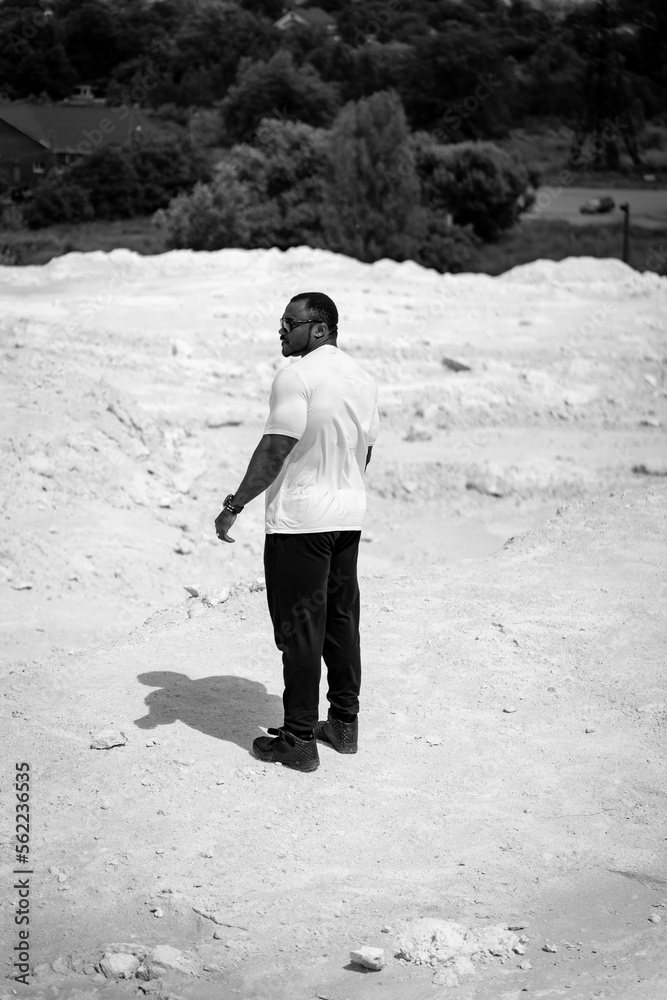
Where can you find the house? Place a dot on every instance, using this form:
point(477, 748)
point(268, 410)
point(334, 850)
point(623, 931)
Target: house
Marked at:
point(36, 137)
point(308, 17)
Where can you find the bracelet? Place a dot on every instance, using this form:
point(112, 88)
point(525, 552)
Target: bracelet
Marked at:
point(230, 506)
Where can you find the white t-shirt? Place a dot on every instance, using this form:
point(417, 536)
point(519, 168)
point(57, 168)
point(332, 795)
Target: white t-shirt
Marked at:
point(329, 403)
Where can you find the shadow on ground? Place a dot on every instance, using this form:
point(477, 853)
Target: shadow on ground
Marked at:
point(226, 707)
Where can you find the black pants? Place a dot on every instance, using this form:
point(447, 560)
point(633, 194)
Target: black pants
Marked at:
point(313, 596)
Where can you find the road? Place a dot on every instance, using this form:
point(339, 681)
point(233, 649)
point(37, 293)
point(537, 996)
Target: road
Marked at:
point(648, 208)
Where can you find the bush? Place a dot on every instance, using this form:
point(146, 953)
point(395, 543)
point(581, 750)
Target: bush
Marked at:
point(163, 170)
point(269, 194)
point(373, 189)
point(446, 247)
point(58, 199)
point(477, 183)
point(277, 89)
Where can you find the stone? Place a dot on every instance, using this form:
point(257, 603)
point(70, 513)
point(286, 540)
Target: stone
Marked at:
point(370, 958)
point(183, 547)
point(418, 432)
point(455, 366)
point(552, 948)
point(21, 585)
point(42, 465)
point(519, 950)
point(525, 965)
point(108, 738)
point(164, 959)
point(119, 965)
point(509, 709)
point(258, 584)
point(655, 918)
point(490, 485)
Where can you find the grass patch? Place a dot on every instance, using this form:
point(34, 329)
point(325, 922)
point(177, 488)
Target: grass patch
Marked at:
point(41, 245)
point(545, 147)
point(555, 240)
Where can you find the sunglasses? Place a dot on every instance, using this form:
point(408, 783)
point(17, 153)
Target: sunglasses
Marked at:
point(284, 328)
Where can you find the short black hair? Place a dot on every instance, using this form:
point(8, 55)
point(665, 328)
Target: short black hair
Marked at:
point(321, 308)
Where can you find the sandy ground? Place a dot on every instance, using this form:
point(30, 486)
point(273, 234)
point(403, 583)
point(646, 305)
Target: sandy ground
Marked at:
point(511, 771)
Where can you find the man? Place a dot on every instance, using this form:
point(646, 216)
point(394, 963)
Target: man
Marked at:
point(317, 442)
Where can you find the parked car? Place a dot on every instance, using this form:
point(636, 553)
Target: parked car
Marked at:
point(598, 206)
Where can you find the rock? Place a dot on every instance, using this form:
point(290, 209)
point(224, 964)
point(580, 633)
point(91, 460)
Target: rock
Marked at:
point(650, 422)
point(192, 591)
point(217, 596)
point(589, 729)
point(119, 965)
point(164, 502)
point(651, 380)
point(21, 585)
point(222, 420)
point(418, 432)
point(655, 918)
point(183, 547)
point(370, 958)
point(164, 959)
point(60, 965)
point(552, 948)
point(525, 965)
point(42, 465)
point(582, 395)
point(509, 709)
point(653, 467)
point(157, 912)
point(489, 484)
point(107, 739)
point(519, 950)
point(433, 741)
point(219, 935)
point(258, 584)
point(455, 366)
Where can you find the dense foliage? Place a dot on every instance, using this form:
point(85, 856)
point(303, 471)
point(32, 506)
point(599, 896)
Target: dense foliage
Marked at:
point(110, 184)
point(366, 187)
point(436, 54)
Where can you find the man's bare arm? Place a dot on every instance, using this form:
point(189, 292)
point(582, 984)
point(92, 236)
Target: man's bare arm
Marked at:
point(264, 466)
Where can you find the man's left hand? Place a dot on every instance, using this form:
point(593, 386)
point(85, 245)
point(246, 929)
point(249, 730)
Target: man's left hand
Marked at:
point(223, 523)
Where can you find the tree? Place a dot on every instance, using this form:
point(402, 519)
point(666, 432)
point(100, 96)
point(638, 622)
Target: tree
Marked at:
point(373, 186)
point(477, 184)
point(277, 89)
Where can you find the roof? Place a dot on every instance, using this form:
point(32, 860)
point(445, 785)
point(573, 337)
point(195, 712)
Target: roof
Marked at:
point(315, 17)
point(61, 128)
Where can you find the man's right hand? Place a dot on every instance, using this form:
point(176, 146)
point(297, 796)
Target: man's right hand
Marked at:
point(223, 523)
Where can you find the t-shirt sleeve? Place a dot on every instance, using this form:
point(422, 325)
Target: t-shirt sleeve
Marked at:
point(288, 405)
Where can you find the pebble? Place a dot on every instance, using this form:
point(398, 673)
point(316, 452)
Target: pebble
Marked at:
point(525, 965)
point(370, 958)
point(550, 948)
point(589, 729)
point(655, 918)
point(108, 738)
point(156, 911)
point(509, 709)
point(183, 547)
point(519, 949)
point(21, 585)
